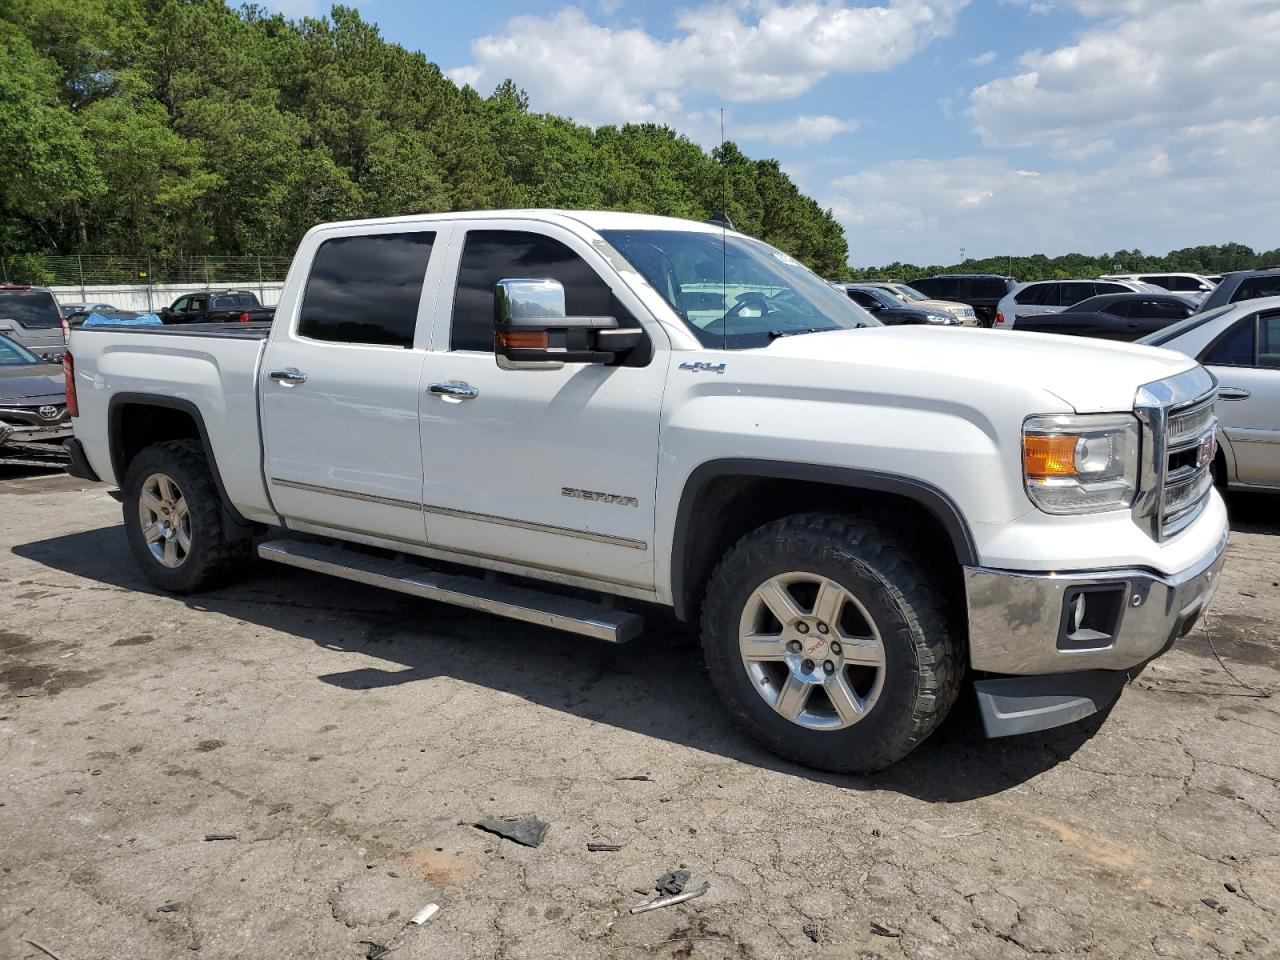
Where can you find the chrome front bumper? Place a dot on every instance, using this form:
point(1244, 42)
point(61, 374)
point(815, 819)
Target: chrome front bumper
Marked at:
point(1019, 622)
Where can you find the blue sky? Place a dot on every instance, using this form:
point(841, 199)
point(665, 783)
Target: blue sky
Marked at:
point(927, 126)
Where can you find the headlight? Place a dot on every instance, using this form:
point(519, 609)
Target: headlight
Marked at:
point(939, 317)
point(1080, 464)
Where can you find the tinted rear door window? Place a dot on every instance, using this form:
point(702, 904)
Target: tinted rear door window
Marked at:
point(30, 308)
point(366, 289)
point(1123, 308)
point(1034, 294)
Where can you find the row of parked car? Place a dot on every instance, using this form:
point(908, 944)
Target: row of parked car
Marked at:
point(33, 318)
point(1229, 323)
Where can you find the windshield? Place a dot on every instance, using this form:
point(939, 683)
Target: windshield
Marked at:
point(734, 292)
point(1165, 334)
point(908, 293)
point(15, 355)
point(30, 308)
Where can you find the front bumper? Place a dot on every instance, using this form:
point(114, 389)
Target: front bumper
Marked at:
point(29, 433)
point(1026, 623)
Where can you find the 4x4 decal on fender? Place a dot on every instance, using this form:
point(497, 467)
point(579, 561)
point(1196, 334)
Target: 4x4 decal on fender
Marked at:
point(700, 366)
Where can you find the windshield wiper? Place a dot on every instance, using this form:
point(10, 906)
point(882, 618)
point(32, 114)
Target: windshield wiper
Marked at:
point(775, 334)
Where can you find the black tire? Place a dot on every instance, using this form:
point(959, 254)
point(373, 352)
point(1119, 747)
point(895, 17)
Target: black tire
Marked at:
point(216, 549)
point(923, 665)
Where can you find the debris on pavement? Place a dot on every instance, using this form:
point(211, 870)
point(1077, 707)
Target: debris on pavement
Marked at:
point(221, 836)
point(947, 829)
point(1231, 887)
point(425, 914)
point(880, 930)
point(1209, 902)
point(169, 906)
point(604, 847)
point(376, 951)
point(42, 948)
point(812, 931)
point(659, 902)
point(672, 882)
point(30, 692)
point(527, 831)
point(640, 777)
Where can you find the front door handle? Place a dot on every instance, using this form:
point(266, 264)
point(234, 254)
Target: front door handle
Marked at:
point(454, 390)
point(1233, 393)
point(288, 377)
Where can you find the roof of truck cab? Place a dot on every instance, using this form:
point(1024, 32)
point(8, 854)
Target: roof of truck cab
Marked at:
point(594, 219)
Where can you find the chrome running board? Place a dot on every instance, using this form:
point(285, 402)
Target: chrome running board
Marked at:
point(491, 596)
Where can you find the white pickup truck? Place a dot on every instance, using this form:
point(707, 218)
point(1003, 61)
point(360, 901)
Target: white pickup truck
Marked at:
point(562, 417)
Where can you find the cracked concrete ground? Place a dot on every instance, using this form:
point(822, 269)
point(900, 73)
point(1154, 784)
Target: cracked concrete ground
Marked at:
point(348, 738)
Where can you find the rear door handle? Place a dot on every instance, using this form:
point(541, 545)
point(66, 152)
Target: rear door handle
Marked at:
point(454, 390)
point(288, 377)
point(1233, 393)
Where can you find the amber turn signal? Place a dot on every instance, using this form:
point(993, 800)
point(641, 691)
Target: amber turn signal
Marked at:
point(523, 339)
point(1049, 455)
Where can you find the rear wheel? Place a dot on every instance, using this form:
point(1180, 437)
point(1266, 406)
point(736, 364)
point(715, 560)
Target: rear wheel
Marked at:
point(174, 519)
point(828, 644)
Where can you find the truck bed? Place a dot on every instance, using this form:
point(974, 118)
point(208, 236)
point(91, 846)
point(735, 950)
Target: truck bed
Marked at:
point(208, 371)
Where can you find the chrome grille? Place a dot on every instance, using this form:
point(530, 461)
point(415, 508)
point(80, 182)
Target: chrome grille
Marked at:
point(1179, 443)
point(1190, 446)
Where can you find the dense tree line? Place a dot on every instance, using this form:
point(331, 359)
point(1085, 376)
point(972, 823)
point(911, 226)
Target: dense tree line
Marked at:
point(1202, 260)
point(181, 127)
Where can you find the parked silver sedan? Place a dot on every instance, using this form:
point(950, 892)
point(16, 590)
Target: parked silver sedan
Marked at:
point(1240, 344)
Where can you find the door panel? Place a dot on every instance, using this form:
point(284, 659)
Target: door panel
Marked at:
point(1251, 422)
point(549, 468)
point(340, 383)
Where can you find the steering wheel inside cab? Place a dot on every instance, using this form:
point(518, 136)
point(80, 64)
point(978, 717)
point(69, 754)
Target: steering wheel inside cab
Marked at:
point(749, 304)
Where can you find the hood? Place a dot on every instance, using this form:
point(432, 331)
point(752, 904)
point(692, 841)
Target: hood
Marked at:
point(942, 306)
point(1091, 376)
point(35, 381)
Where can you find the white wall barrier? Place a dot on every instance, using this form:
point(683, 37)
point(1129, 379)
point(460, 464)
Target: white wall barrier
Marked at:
point(149, 297)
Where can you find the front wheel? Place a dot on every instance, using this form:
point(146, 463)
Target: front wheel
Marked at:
point(828, 644)
point(174, 520)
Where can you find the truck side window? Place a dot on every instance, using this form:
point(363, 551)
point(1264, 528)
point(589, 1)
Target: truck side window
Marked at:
point(365, 289)
point(493, 255)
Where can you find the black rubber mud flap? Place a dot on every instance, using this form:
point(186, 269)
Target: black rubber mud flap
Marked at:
point(1013, 705)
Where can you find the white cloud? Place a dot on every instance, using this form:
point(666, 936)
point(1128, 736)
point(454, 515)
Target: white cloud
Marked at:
point(736, 50)
point(1147, 70)
point(1154, 198)
point(982, 59)
point(801, 131)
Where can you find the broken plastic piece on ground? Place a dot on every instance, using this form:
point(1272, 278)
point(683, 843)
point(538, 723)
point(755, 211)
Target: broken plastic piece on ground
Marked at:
point(641, 777)
point(425, 914)
point(880, 930)
point(220, 836)
point(169, 906)
point(811, 930)
point(659, 902)
point(376, 951)
point(604, 847)
point(528, 831)
point(672, 882)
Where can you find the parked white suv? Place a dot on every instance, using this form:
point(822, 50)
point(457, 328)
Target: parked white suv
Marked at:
point(1054, 296)
point(563, 417)
point(1189, 284)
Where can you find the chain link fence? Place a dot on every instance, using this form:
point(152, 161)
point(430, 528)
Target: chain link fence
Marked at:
point(48, 270)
